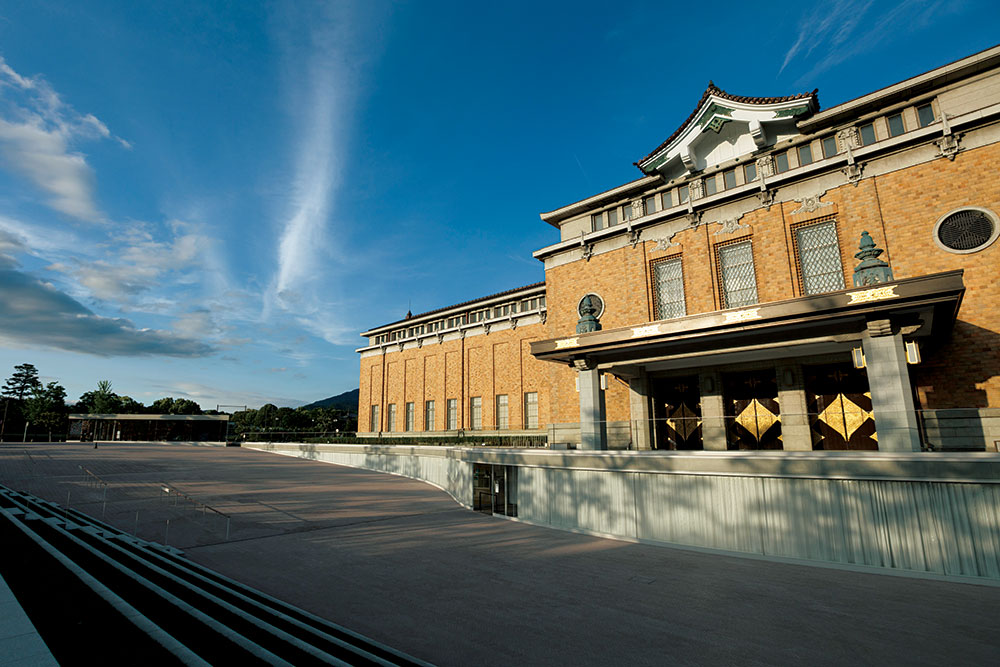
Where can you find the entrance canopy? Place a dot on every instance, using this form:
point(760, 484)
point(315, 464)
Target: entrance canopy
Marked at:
point(918, 308)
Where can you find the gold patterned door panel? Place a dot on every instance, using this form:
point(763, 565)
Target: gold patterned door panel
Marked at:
point(753, 417)
point(840, 407)
point(677, 413)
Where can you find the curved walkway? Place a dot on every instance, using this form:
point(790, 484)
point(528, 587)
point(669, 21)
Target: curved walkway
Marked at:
point(397, 560)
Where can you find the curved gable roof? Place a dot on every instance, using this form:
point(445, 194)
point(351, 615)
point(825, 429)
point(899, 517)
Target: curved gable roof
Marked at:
point(714, 91)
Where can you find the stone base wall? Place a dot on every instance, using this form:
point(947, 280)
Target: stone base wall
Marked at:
point(961, 430)
point(919, 512)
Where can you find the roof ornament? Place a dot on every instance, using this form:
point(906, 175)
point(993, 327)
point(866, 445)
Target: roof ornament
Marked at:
point(871, 270)
point(588, 322)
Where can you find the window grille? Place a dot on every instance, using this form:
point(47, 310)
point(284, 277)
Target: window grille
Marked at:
point(531, 409)
point(736, 274)
point(818, 251)
point(668, 276)
point(409, 416)
point(967, 230)
point(503, 420)
point(391, 417)
point(452, 414)
point(429, 416)
point(476, 413)
point(375, 425)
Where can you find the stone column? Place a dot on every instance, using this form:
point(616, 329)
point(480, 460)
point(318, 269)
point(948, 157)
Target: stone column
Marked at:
point(593, 428)
point(713, 423)
point(892, 396)
point(638, 395)
point(795, 431)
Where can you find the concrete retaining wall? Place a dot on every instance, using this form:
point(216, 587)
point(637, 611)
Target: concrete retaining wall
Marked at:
point(923, 512)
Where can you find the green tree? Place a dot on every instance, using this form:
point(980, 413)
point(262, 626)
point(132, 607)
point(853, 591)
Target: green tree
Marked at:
point(21, 384)
point(168, 405)
point(47, 408)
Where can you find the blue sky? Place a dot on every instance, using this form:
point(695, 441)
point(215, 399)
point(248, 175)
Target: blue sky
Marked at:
point(211, 200)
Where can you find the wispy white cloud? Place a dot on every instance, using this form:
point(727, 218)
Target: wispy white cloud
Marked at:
point(37, 130)
point(839, 30)
point(323, 83)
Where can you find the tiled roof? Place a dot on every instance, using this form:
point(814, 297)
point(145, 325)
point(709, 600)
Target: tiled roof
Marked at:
point(460, 305)
point(718, 92)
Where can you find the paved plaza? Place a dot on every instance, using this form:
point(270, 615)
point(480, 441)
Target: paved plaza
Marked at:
point(399, 561)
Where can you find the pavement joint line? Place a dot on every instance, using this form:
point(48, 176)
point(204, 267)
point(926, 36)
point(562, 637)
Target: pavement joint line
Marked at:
point(317, 529)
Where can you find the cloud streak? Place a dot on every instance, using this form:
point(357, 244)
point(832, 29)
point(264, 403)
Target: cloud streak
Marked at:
point(36, 132)
point(842, 29)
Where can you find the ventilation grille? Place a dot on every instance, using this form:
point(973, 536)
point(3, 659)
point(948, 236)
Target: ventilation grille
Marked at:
point(966, 230)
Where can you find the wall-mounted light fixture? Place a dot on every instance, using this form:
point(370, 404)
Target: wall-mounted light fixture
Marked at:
point(858, 357)
point(912, 352)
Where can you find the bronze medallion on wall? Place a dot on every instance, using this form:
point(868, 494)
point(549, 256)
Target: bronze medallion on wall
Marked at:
point(753, 417)
point(840, 407)
point(677, 413)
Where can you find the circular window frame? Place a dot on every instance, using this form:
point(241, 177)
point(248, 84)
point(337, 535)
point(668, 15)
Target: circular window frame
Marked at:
point(990, 214)
point(579, 304)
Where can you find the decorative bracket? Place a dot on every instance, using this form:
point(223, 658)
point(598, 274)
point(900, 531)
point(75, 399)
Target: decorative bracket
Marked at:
point(588, 248)
point(420, 343)
point(544, 315)
point(633, 236)
point(766, 196)
point(486, 328)
point(440, 338)
point(949, 146)
point(513, 323)
point(853, 171)
point(730, 226)
point(811, 203)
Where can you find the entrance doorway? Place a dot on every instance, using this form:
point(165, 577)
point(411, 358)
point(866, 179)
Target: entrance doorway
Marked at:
point(753, 417)
point(676, 413)
point(494, 489)
point(840, 407)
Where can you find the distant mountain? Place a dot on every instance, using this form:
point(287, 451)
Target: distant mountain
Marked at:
point(346, 401)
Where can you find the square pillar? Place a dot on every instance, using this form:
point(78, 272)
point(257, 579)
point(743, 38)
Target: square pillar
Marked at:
point(638, 398)
point(713, 421)
point(892, 395)
point(593, 427)
point(796, 436)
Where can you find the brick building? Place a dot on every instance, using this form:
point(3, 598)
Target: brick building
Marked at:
point(781, 276)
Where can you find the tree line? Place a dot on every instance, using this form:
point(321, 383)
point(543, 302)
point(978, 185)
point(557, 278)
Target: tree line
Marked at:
point(30, 407)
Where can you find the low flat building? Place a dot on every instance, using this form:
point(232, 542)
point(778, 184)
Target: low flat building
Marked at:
point(148, 428)
point(780, 276)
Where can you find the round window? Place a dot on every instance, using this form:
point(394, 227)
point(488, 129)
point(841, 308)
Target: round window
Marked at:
point(595, 301)
point(967, 230)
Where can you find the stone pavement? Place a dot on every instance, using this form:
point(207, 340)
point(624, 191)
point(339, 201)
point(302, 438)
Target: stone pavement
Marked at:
point(399, 561)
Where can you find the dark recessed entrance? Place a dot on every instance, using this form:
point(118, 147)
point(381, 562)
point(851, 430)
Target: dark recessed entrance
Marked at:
point(753, 418)
point(676, 413)
point(494, 489)
point(840, 407)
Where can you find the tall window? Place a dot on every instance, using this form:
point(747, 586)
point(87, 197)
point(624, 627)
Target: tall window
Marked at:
point(896, 125)
point(429, 415)
point(531, 409)
point(452, 414)
point(649, 205)
point(612, 214)
point(668, 277)
point(829, 146)
point(750, 171)
point(503, 421)
point(711, 186)
point(626, 212)
point(375, 425)
point(596, 222)
point(867, 133)
point(781, 162)
point(925, 114)
point(476, 413)
point(409, 416)
point(667, 200)
point(819, 257)
point(391, 416)
point(805, 155)
point(736, 275)
point(729, 179)
point(683, 194)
